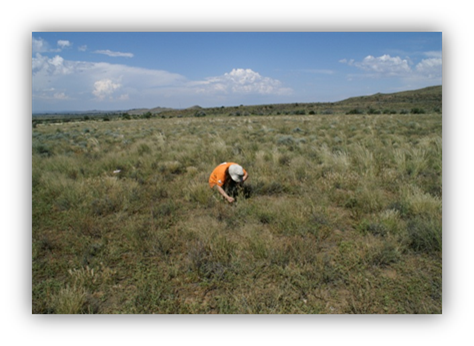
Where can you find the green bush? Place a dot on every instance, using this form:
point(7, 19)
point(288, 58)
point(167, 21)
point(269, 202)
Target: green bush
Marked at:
point(200, 114)
point(373, 111)
point(425, 235)
point(355, 111)
point(417, 111)
point(385, 255)
point(42, 149)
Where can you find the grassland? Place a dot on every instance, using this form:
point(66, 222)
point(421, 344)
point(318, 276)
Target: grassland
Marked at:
point(341, 214)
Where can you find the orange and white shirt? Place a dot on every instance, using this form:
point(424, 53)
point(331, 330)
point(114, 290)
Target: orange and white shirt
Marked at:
point(218, 175)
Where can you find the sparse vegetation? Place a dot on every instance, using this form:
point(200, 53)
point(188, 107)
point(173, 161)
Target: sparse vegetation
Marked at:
point(427, 100)
point(341, 214)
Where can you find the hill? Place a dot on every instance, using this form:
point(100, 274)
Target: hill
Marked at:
point(141, 111)
point(426, 100)
point(429, 99)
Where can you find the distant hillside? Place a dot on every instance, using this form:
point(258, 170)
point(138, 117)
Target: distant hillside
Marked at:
point(426, 100)
point(141, 111)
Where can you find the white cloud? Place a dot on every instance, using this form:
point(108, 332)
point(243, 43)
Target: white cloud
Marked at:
point(434, 54)
point(60, 96)
point(104, 88)
point(114, 54)
point(384, 65)
point(102, 81)
point(39, 45)
point(81, 82)
point(44, 66)
point(82, 48)
point(431, 68)
point(64, 43)
point(345, 61)
point(387, 66)
point(240, 81)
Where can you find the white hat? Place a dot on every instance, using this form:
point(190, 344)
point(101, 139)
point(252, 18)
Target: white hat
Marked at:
point(236, 173)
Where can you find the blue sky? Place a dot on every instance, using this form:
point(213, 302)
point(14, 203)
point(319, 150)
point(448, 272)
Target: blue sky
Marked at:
point(125, 70)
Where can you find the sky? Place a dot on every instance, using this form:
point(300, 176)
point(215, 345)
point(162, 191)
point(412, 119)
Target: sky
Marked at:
point(80, 71)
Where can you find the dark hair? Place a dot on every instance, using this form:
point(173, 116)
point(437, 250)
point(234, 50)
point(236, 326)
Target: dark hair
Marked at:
point(230, 187)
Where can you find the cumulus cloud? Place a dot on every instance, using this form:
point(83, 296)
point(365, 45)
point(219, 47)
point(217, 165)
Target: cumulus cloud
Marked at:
point(42, 65)
point(55, 78)
point(241, 81)
point(431, 68)
point(39, 45)
point(114, 54)
point(388, 66)
point(64, 43)
point(92, 80)
point(384, 65)
point(60, 96)
point(104, 88)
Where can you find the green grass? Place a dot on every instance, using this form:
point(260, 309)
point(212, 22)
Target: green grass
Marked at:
point(341, 214)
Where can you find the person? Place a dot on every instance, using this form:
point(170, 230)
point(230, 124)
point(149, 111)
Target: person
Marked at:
point(227, 177)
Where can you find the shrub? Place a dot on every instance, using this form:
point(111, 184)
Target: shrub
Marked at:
point(285, 140)
point(417, 111)
point(374, 228)
point(272, 188)
point(105, 206)
point(143, 148)
point(284, 160)
point(425, 235)
point(299, 112)
point(355, 111)
point(199, 114)
point(373, 111)
point(385, 255)
point(42, 149)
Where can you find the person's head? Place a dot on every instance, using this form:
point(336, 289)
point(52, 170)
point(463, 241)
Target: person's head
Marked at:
point(236, 173)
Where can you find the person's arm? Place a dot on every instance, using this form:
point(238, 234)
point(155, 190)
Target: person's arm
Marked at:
point(222, 192)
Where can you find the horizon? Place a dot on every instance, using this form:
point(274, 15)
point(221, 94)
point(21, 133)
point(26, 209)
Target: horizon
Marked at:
point(143, 108)
point(114, 71)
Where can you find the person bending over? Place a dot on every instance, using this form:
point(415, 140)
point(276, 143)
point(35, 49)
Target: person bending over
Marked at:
point(227, 177)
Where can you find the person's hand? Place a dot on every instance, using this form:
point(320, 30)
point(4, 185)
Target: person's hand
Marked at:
point(230, 199)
